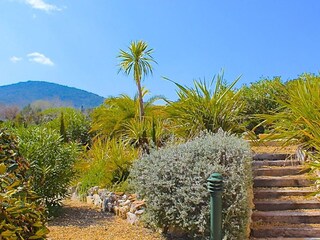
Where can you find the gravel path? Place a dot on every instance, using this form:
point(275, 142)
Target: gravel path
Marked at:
point(80, 221)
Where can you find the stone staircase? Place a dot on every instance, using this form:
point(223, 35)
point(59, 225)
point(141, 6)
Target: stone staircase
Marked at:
point(284, 208)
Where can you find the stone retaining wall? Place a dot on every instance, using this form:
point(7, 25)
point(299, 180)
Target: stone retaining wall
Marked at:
point(123, 205)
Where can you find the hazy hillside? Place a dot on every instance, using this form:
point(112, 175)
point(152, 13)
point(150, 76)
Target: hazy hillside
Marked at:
point(24, 93)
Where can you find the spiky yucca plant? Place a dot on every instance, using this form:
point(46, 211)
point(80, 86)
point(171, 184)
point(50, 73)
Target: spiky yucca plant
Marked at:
point(206, 106)
point(298, 119)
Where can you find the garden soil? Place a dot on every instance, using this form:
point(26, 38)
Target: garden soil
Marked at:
point(80, 221)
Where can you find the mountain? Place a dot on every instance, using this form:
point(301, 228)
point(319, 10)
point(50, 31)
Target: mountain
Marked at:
point(23, 93)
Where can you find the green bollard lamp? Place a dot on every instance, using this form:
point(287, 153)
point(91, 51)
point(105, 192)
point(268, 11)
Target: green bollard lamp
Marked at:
point(215, 188)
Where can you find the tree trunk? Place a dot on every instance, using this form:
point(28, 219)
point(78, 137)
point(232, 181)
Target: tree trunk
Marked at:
point(141, 112)
point(143, 142)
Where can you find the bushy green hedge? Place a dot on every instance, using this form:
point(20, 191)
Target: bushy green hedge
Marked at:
point(21, 217)
point(174, 183)
point(51, 163)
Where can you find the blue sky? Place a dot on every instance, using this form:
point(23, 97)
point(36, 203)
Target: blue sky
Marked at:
point(75, 43)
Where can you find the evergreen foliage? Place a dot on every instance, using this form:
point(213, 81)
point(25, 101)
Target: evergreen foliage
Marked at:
point(261, 98)
point(21, 216)
point(76, 124)
point(51, 163)
point(173, 182)
point(63, 128)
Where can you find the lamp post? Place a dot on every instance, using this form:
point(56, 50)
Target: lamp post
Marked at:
point(215, 187)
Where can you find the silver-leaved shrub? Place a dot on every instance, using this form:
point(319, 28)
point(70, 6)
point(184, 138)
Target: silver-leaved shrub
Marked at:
point(173, 181)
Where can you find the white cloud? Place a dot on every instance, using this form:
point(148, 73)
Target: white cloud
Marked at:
point(40, 58)
point(15, 59)
point(41, 5)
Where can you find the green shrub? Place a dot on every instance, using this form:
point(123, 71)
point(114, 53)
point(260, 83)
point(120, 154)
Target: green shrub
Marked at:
point(21, 217)
point(173, 182)
point(260, 98)
point(51, 163)
point(106, 164)
point(76, 124)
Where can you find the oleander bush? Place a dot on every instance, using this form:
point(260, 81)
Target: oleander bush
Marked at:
point(173, 180)
point(21, 216)
point(51, 163)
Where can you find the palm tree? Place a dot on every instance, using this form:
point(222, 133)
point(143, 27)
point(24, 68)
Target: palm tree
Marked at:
point(138, 59)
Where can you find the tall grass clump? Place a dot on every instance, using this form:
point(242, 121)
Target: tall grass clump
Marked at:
point(173, 181)
point(106, 164)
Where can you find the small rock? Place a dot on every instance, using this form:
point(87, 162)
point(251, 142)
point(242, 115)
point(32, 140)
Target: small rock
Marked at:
point(132, 218)
point(104, 205)
point(123, 212)
point(139, 212)
point(110, 206)
point(102, 191)
point(93, 190)
point(116, 210)
point(90, 199)
point(96, 200)
point(136, 205)
point(126, 203)
point(119, 193)
point(75, 196)
point(132, 197)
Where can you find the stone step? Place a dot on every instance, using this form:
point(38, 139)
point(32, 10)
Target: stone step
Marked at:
point(279, 204)
point(257, 164)
point(302, 216)
point(293, 231)
point(272, 156)
point(280, 171)
point(263, 193)
point(282, 181)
